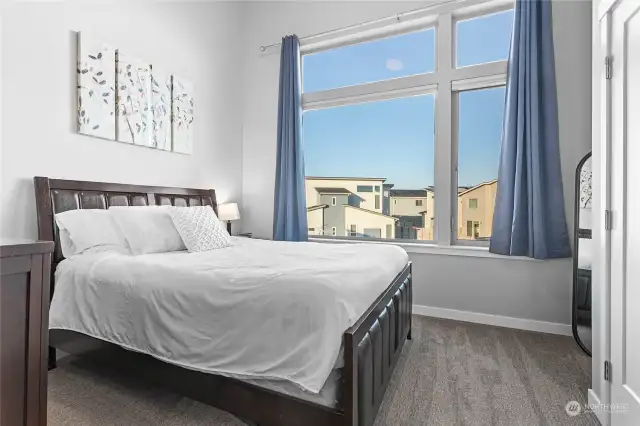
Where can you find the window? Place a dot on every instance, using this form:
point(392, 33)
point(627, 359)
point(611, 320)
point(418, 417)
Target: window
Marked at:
point(357, 148)
point(376, 108)
point(333, 201)
point(333, 231)
point(480, 112)
point(492, 46)
point(376, 60)
point(473, 230)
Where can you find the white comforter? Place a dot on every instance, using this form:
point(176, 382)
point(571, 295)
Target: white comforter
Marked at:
point(258, 309)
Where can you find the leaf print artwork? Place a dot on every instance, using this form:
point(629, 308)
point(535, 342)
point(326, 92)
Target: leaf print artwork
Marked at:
point(182, 115)
point(95, 70)
point(134, 121)
point(160, 109)
point(123, 98)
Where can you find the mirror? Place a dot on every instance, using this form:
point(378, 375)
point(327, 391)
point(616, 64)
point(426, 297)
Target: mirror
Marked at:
point(582, 256)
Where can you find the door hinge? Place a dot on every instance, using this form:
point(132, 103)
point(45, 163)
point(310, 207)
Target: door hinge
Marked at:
point(453, 224)
point(608, 67)
point(607, 371)
point(608, 220)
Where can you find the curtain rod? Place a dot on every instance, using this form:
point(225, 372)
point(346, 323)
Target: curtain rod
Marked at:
point(397, 17)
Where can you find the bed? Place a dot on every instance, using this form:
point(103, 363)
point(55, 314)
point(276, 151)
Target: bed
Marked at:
point(358, 366)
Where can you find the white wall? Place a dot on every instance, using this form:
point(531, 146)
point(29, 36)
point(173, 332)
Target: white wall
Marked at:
point(514, 288)
point(199, 41)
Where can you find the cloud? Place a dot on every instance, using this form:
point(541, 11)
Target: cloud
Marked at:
point(394, 64)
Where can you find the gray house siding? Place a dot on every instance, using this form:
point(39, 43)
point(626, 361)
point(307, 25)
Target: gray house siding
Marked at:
point(334, 215)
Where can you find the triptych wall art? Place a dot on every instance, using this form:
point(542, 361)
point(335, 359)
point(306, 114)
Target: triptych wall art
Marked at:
point(128, 100)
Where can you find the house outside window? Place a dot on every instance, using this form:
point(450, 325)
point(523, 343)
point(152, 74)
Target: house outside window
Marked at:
point(457, 106)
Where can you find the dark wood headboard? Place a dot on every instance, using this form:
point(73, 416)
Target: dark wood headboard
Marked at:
point(58, 195)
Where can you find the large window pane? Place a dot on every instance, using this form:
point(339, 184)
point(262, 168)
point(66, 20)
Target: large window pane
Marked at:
point(484, 39)
point(480, 117)
point(376, 160)
point(383, 59)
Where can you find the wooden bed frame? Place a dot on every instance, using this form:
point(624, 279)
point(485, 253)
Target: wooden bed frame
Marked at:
point(372, 345)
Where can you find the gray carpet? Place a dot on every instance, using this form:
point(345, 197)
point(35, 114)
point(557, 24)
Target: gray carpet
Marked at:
point(452, 373)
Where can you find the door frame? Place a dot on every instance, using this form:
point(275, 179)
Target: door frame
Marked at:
point(600, 392)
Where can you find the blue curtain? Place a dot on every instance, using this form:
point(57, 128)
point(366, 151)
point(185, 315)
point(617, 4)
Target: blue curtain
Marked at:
point(529, 217)
point(290, 210)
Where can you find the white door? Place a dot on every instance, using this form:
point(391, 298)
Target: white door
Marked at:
point(625, 201)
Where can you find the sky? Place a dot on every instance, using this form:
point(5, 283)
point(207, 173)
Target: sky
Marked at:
point(394, 139)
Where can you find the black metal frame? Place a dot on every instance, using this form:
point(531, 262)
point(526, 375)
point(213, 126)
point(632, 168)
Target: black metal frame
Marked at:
point(578, 233)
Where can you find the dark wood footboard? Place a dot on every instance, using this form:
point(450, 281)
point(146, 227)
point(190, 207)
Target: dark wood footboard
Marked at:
point(372, 348)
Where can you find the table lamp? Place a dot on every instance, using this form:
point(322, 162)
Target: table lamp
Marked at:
point(228, 212)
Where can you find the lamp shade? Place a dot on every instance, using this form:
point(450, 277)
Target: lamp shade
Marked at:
point(228, 211)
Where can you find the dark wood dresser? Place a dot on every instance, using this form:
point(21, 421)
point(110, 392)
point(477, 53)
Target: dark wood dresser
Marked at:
point(25, 270)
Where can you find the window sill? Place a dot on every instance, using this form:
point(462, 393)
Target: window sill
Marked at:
point(426, 248)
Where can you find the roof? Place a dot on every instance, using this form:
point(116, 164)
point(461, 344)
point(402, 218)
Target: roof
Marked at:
point(316, 207)
point(371, 211)
point(473, 188)
point(423, 193)
point(343, 178)
point(333, 190)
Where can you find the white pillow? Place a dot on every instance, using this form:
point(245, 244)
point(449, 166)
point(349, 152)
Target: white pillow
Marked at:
point(89, 231)
point(200, 228)
point(147, 229)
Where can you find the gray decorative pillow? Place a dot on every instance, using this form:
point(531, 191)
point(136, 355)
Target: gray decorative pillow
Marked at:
point(200, 228)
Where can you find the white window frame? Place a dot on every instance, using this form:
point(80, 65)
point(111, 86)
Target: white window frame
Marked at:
point(445, 83)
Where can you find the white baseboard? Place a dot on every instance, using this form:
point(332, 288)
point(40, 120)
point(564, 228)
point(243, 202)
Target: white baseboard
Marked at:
point(497, 320)
point(600, 414)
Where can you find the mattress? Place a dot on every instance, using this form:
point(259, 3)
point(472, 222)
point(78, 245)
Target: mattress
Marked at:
point(256, 310)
